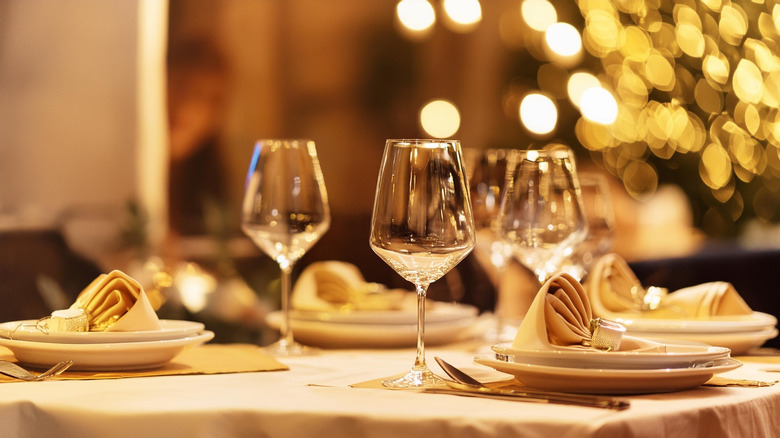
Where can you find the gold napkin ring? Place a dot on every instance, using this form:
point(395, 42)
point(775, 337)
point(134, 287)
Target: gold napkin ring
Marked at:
point(605, 334)
point(67, 320)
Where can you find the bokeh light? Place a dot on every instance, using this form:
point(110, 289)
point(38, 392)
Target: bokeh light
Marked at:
point(440, 118)
point(416, 15)
point(563, 39)
point(698, 89)
point(463, 15)
point(598, 105)
point(578, 83)
point(538, 14)
point(538, 113)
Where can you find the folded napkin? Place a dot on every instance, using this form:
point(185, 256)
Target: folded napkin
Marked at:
point(561, 318)
point(116, 302)
point(336, 285)
point(615, 292)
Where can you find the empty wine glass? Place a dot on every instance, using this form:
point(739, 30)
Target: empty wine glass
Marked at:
point(285, 212)
point(422, 224)
point(601, 224)
point(541, 215)
point(487, 177)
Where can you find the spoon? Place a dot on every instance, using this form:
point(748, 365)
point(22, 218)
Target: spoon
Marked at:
point(467, 383)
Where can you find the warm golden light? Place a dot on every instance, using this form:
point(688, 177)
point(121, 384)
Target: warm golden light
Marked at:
point(563, 39)
point(598, 105)
point(748, 82)
point(440, 118)
point(538, 14)
point(464, 15)
point(538, 113)
point(578, 83)
point(416, 15)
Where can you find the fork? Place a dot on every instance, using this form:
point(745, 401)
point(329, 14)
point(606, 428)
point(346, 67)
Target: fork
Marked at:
point(14, 370)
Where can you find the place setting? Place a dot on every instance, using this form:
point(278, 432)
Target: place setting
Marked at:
point(112, 330)
point(711, 313)
point(334, 307)
point(562, 346)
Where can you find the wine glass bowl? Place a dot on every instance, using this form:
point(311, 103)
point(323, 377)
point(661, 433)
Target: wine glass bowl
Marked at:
point(541, 215)
point(597, 202)
point(422, 224)
point(285, 212)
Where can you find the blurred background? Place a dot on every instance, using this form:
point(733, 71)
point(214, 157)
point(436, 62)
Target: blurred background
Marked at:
point(126, 130)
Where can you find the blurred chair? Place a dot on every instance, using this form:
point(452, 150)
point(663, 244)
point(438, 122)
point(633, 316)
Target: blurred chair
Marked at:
point(34, 259)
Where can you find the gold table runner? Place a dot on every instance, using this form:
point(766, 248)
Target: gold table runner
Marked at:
point(204, 359)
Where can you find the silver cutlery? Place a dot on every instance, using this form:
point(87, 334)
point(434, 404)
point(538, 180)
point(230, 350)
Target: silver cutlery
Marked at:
point(470, 386)
point(13, 370)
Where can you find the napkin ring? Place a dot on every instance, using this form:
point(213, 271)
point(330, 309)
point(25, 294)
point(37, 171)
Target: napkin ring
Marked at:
point(604, 334)
point(67, 320)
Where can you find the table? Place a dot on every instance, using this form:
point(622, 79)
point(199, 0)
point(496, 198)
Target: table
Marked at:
point(313, 399)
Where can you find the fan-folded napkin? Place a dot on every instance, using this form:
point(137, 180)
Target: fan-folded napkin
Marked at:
point(615, 292)
point(560, 319)
point(116, 302)
point(335, 285)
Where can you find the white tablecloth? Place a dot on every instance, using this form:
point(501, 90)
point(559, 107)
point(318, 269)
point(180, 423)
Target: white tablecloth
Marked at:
point(313, 399)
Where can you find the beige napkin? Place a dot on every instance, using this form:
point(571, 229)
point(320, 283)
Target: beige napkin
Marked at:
point(336, 285)
point(559, 319)
point(116, 302)
point(204, 359)
point(611, 283)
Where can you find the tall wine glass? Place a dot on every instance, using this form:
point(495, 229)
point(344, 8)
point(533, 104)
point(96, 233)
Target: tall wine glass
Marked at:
point(541, 214)
point(487, 177)
point(422, 225)
point(601, 224)
point(285, 212)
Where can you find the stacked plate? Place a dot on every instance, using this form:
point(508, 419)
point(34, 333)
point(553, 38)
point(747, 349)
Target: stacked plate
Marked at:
point(444, 323)
point(739, 334)
point(614, 372)
point(101, 351)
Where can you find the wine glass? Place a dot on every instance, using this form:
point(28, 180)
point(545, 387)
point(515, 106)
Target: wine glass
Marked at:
point(601, 224)
point(285, 212)
point(422, 225)
point(487, 176)
point(541, 215)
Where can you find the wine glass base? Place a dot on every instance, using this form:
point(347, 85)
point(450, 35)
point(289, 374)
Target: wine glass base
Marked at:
point(416, 378)
point(284, 348)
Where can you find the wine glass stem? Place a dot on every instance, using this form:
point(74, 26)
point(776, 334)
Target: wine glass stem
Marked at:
point(286, 329)
point(419, 361)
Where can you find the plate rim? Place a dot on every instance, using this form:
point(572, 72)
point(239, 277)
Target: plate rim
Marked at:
point(156, 353)
point(609, 381)
point(392, 317)
point(591, 356)
point(660, 325)
point(191, 327)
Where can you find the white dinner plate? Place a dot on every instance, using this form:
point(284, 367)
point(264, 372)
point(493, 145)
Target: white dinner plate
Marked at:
point(336, 335)
point(610, 381)
point(435, 312)
point(724, 324)
point(676, 356)
point(103, 357)
point(27, 331)
point(738, 343)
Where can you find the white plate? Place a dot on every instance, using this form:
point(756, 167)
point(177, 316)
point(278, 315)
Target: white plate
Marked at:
point(436, 312)
point(334, 335)
point(27, 331)
point(676, 356)
point(725, 324)
point(609, 381)
point(103, 357)
point(738, 343)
